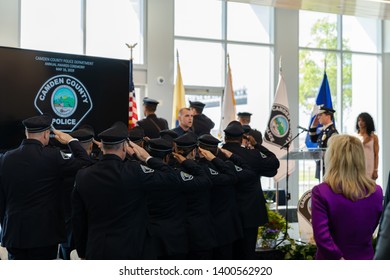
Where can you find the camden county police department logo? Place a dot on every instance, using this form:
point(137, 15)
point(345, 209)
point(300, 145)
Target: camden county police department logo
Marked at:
point(66, 99)
point(278, 131)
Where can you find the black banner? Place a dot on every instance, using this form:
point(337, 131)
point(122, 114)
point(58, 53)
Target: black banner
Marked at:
point(74, 89)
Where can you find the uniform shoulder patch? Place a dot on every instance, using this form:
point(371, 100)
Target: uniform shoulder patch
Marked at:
point(238, 169)
point(65, 155)
point(263, 155)
point(146, 169)
point(186, 176)
point(213, 172)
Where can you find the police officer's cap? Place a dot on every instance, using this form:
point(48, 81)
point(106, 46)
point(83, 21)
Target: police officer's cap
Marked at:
point(136, 134)
point(244, 114)
point(38, 123)
point(116, 134)
point(234, 129)
point(197, 104)
point(168, 134)
point(160, 145)
point(83, 134)
point(187, 140)
point(208, 140)
point(150, 101)
point(326, 110)
point(247, 128)
point(257, 135)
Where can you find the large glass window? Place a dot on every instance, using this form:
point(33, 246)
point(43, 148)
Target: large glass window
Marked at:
point(92, 27)
point(203, 39)
point(351, 59)
point(111, 24)
point(52, 25)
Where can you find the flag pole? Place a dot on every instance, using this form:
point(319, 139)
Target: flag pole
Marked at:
point(133, 115)
point(131, 47)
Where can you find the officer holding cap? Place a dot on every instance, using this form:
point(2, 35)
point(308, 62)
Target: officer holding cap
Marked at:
point(31, 215)
point(152, 125)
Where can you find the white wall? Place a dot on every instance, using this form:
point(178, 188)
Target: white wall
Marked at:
point(9, 23)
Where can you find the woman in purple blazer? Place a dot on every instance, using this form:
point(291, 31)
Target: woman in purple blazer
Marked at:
point(347, 206)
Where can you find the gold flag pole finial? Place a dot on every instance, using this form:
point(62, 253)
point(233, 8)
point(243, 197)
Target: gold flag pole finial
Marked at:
point(131, 47)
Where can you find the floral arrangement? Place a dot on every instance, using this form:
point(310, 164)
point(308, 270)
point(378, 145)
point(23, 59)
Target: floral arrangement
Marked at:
point(269, 232)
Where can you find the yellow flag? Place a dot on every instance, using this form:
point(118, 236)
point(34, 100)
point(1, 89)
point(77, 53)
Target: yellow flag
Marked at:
point(178, 97)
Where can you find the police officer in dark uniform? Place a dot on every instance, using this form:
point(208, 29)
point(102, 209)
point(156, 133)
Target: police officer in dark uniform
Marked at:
point(152, 125)
point(201, 123)
point(110, 217)
point(250, 197)
point(223, 196)
point(85, 135)
point(31, 215)
point(200, 224)
point(324, 117)
point(245, 118)
point(168, 207)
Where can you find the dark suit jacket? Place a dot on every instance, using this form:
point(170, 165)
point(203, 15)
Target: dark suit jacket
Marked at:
point(152, 125)
point(383, 245)
point(250, 197)
point(110, 215)
point(30, 179)
point(202, 125)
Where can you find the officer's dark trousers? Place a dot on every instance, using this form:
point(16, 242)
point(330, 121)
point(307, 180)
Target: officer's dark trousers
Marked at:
point(244, 249)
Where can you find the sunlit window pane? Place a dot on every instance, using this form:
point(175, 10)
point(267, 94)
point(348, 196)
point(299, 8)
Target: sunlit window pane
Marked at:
point(52, 25)
point(250, 23)
point(360, 90)
point(111, 24)
point(200, 18)
point(361, 34)
point(251, 75)
point(317, 30)
point(201, 63)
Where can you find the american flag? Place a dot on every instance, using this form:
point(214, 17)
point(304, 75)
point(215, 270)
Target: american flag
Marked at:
point(133, 116)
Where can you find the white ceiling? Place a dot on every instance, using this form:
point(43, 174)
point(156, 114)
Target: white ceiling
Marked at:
point(361, 8)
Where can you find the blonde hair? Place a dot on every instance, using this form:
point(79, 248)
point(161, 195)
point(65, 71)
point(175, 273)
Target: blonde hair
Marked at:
point(346, 168)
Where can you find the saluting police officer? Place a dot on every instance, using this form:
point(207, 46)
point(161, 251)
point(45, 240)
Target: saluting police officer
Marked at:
point(201, 123)
point(31, 215)
point(85, 135)
point(200, 224)
point(223, 197)
point(325, 118)
point(110, 217)
point(250, 197)
point(152, 125)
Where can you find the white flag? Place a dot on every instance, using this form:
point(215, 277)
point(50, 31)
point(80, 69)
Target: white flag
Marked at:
point(278, 131)
point(228, 108)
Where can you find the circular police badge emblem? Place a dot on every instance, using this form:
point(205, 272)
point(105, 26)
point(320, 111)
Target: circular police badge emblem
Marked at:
point(279, 126)
point(278, 131)
point(66, 99)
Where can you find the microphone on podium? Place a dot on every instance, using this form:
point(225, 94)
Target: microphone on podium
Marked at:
point(301, 127)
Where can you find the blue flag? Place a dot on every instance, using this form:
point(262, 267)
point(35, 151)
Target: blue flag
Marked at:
point(323, 98)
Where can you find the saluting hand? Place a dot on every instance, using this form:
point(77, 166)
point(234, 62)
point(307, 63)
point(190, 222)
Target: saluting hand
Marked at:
point(62, 137)
point(207, 154)
point(98, 143)
point(227, 153)
point(141, 153)
point(178, 157)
